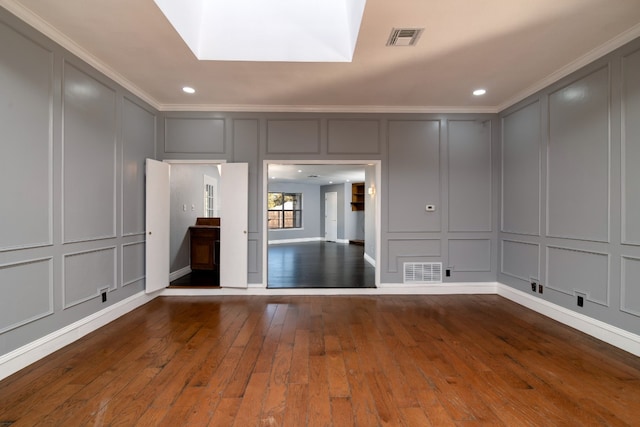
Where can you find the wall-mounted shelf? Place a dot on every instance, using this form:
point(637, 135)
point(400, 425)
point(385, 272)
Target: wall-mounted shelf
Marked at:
point(357, 196)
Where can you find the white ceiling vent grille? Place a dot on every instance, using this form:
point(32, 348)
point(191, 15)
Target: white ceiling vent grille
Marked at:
point(422, 272)
point(404, 36)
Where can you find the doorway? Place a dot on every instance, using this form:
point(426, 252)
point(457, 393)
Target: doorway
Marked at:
point(322, 249)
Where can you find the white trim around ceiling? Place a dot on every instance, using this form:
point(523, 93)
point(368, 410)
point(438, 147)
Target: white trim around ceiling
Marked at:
point(597, 53)
point(48, 30)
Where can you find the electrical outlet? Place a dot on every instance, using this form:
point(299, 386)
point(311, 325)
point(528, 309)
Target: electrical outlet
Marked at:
point(580, 301)
point(534, 286)
point(447, 272)
point(540, 288)
point(104, 297)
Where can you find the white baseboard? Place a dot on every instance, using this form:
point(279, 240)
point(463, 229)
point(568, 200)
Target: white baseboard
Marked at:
point(24, 356)
point(174, 275)
point(603, 331)
point(370, 260)
point(299, 240)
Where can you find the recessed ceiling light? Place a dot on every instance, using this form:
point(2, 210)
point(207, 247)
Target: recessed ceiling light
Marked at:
point(479, 92)
point(330, 182)
point(188, 89)
point(299, 170)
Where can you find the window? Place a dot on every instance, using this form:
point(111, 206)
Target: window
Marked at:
point(284, 210)
point(210, 197)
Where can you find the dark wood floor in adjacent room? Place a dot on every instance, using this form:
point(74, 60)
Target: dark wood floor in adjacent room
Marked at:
point(339, 360)
point(319, 265)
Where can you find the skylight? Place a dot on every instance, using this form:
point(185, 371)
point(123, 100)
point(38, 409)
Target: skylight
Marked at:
point(267, 30)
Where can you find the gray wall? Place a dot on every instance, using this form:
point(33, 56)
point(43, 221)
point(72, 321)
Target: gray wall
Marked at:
point(570, 205)
point(311, 216)
point(187, 191)
point(71, 184)
point(446, 160)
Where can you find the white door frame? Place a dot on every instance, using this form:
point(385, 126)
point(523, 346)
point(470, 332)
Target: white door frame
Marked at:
point(377, 204)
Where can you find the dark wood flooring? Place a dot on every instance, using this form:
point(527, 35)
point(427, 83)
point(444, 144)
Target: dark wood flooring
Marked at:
point(328, 361)
point(200, 279)
point(319, 265)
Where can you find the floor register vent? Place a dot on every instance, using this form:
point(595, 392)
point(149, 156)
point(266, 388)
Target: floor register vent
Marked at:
point(422, 272)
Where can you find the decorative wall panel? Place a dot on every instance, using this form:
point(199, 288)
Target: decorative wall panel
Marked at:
point(26, 108)
point(470, 197)
point(521, 171)
point(570, 270)
point(86, 273)
point(89, 157)
point(194, 135)
point(578, 159)
point(27, 292)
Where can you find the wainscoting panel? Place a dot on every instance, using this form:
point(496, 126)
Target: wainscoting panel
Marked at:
point(138, 142)
point(86, 273)
point(470, 255)
point(631, 148)
point(89, 147)
point(293, 136)
point(414, 176)
point(401, 250)
point(521, 171)
point(353, 136)
point(520, 260)
point(469, 156)
point(133, 263)
point(26, 109)
point(571, 270)
point(578, 159)
point(630, 298)
point(27, 292)
point(194, 135)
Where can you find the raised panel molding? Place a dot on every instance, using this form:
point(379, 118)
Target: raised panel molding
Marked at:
point(254, 256)
point(469, 157)
point(89, 157)
point(26, 119)
point(194, 135)
point(578, 159)
point(630, 173)
point(30, 283)
point(520, 260)
point(411, 250)
point(470, 255)
point(133, 263)
point(86, 273)
point(300, 136)
point(416, 148)
point(630, 291)
point(138, 144)
point(520, 177)
point(350, 136)
point(572, 270)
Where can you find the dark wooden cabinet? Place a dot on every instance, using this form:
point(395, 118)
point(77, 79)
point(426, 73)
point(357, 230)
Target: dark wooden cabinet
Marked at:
point(205, 245)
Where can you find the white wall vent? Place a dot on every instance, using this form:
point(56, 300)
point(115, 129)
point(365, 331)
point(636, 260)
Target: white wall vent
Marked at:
point(404, 36)
point(422, 272)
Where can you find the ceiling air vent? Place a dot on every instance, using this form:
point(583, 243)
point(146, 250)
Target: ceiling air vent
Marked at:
point(404, 36)
point(422, 272)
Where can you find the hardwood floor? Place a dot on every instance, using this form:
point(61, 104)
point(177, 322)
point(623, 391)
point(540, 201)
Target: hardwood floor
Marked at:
point(322, 361)
point(318, 265)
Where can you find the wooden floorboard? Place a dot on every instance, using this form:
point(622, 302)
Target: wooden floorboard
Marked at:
point(328, 361)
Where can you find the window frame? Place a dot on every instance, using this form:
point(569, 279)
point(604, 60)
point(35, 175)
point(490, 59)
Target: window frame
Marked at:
point(296, 214)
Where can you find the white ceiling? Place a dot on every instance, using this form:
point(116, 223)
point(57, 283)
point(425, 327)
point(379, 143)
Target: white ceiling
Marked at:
point(316, 174)
point(509, 47)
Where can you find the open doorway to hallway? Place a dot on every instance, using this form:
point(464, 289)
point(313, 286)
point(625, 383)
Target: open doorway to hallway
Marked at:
point(321, 228)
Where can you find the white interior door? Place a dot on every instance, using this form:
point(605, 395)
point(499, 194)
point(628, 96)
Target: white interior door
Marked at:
point(234, 195)
point(331, 216)
point(157, 225)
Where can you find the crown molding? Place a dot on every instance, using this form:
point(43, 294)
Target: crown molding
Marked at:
point(371, 109)
point(591, 56)
point(48, 30)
